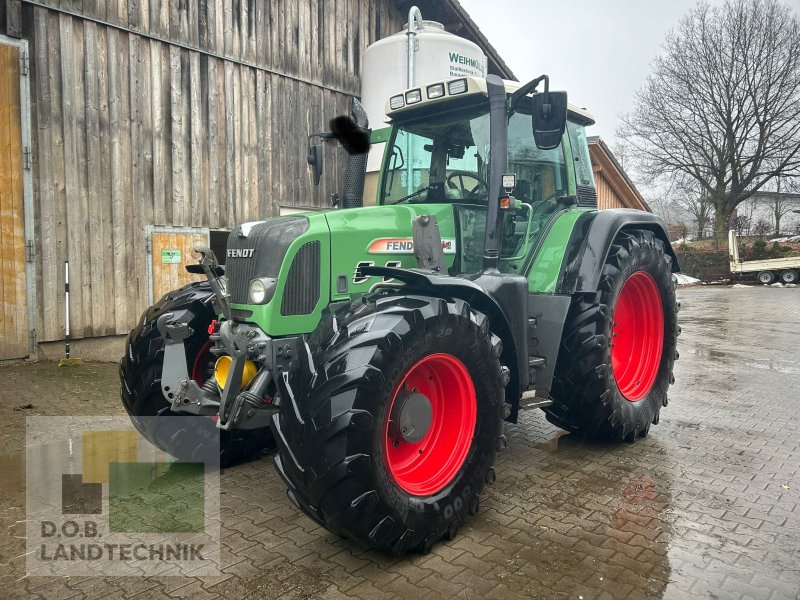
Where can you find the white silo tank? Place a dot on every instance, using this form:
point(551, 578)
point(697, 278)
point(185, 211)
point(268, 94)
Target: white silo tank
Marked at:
point(437, 55)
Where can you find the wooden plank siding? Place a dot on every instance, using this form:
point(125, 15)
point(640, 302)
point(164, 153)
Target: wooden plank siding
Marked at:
point(13, 303)
point(607, 197)
point(181, 114)
point(169, 276)
point(614, 187)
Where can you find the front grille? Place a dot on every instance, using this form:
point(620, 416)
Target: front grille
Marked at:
point(587, 196)
point(265, 244)
point(301, 293)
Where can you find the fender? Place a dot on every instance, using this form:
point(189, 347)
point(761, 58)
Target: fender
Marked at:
point(591, 240)
point(489, 294)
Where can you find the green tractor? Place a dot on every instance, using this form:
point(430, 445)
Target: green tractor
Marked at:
point(381, 348)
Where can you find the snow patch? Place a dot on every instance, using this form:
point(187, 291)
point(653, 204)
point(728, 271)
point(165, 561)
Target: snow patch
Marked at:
point(740, 285)
point(783, 240)
point(685, 279)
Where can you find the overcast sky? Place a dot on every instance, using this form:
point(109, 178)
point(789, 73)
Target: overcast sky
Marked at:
point(597, 50)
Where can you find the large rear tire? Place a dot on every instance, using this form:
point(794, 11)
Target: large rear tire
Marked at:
point(140, 378)
point(399, 432)
point(619, 345)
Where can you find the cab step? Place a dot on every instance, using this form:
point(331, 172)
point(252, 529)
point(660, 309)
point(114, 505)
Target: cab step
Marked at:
point(529, 401)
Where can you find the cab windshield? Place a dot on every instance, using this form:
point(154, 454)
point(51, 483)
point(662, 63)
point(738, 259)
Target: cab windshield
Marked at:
point(445, 158)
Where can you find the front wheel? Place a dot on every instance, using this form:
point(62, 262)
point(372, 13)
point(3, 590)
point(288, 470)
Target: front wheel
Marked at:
point(789, 276)
point(140, 379)
point(399, 432)
point(619, 345)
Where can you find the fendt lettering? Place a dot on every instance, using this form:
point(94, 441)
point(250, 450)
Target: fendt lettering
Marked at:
point(241, 252)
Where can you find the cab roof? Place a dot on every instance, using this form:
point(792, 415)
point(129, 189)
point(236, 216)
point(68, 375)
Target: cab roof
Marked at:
point(475, 86)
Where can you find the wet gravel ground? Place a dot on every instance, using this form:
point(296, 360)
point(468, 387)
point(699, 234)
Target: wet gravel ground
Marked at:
point(707, 506)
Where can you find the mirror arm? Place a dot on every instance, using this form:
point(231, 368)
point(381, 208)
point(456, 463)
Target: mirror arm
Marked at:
point(322, 135)
point(526, 89)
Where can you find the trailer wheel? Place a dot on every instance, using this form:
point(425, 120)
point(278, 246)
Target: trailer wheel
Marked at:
point(140, 378)
point(765, 277)
point(789, 276)
point(398, 435)
point(619, 345)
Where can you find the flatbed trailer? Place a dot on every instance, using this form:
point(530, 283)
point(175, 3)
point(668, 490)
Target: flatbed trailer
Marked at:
point(764, 271)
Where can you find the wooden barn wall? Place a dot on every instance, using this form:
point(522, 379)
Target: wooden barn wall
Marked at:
point(606, 196)
point(176, 113)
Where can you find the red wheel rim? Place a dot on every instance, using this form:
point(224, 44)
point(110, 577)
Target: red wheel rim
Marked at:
point(637, 335)
point(202, 364)
point(426, 467)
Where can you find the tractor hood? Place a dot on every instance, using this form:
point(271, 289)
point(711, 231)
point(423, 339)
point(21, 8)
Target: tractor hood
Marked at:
point(379, 236)
point(303, 262)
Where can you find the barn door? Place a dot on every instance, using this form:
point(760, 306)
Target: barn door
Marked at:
point(170, 251)
point(14, 340)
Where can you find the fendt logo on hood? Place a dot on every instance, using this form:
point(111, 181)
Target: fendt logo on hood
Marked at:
point(241, 252)
point(404, 246)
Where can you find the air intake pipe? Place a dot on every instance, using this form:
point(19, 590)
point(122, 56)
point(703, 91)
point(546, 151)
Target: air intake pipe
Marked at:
point(356, 169)
point(498, 142)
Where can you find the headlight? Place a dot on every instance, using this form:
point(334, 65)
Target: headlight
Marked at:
point(261, 290)
point(397, 102)
point(435, 91)
point(413, 96)
point(459, 86)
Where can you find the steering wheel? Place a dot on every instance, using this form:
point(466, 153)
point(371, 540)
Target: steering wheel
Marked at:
point(478, 190)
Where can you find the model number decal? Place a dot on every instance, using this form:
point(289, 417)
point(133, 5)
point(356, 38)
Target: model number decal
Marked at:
point(359, 277)
point(404, 246)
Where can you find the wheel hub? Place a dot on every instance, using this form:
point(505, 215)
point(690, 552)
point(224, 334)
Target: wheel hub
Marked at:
point(411, 418)
point(430, 424)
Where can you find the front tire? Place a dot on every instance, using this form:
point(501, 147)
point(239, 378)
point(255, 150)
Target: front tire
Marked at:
point(789, 276)
point(140, 379)
point(364, 466)
point(619, 345)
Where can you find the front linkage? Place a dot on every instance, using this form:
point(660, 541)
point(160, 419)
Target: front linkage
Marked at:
point(234, 407)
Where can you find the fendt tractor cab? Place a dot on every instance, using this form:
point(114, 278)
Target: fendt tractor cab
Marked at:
point(382, 347)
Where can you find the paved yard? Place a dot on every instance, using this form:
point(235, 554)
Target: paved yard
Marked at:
point(707, 506)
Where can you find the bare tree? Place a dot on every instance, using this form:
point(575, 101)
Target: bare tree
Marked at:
point(693, 201)
point(722, 105)
point(701, 210)
point(761, 228)
point(781, 203)
point(741, 224)
point(748, 210)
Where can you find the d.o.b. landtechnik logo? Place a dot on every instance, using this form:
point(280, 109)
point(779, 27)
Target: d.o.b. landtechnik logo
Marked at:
point(101, 500)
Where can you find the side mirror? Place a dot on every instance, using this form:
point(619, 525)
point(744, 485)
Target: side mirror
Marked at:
point(314, 159)
point(549, 119)
point(353, 138)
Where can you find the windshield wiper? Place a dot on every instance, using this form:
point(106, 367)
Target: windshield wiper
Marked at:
point(429, 188)
point(432, 186)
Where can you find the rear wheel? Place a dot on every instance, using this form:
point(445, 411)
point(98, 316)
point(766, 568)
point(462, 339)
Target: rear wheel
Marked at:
point(399, 432)
point(140, 378)
point(765, 277)
point(619, 345)
point(789, 276)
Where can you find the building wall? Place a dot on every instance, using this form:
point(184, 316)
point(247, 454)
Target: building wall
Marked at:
point(175, 113)
point(606, 196)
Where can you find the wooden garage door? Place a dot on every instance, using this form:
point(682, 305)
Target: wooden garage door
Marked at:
point(172, 251)
point(13, 305)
